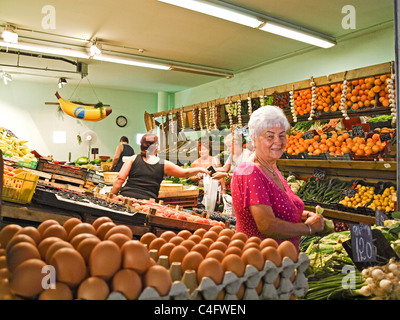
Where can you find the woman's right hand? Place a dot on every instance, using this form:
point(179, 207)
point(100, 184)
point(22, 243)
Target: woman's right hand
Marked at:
point(316, 222)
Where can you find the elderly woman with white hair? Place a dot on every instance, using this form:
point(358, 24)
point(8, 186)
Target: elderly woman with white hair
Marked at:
point(264, 204)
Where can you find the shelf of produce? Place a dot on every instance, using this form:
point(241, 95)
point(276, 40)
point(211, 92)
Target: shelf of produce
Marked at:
point(344, 216)
point(374, 170)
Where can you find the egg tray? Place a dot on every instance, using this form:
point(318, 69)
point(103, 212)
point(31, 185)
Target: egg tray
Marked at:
point(209, 290)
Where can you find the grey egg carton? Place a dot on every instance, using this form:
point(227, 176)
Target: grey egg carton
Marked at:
point(185, 287)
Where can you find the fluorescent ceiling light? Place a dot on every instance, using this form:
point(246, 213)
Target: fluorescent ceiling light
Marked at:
point(296, 35)
point(217, 11)
point(132, 62)
point(252, 19)
point(9, 36)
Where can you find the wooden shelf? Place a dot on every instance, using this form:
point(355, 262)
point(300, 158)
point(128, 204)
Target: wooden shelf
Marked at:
point(364, 170)
point(344, 216)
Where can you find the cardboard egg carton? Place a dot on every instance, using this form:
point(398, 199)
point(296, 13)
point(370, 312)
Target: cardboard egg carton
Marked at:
point(186, 287)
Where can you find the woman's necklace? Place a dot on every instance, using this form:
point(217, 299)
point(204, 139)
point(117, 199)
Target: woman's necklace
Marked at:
point(266, 167)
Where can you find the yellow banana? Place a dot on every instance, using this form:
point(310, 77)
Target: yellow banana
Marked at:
point(83, 112)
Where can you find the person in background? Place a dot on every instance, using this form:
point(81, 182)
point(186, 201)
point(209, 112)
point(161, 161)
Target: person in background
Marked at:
point(144, 172)
point(264, 204)
point(123, 150)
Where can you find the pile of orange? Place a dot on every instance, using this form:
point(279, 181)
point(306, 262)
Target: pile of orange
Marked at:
point(323, 100)
point(338, 144)
point(302, 101)
point(336, 94)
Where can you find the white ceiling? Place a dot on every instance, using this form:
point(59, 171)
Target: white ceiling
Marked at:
point(171, 33)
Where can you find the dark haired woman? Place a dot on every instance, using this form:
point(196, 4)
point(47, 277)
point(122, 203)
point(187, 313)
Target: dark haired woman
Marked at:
point(123, 150)
point(145, 171)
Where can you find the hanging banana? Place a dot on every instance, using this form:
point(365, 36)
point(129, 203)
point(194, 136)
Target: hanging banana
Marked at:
point(82, 112)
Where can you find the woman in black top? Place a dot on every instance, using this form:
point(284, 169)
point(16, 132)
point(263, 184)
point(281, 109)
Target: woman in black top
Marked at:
point(145, 171)
point(123, 150)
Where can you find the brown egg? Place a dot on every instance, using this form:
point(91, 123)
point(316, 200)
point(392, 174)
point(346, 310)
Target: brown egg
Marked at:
point(216, 229)
point(7, 233)
point(224, 239)
point(127, 282)
point(200, 248)
point(195, 238)
point(211, 234)
point(211, 268)
point(86, 246)
point(124, 229)
point(251, 245)
point(17, 239)
point(234, 263)
point(31, 232)
point(272, 254)
point(158, 278)
point(240, 292)
point(268, 242)
point(254, 239)
point(75, 241)
point(166, 249)
point(236, 243)
point(104, 228)
point(70, 224)
point(100, 220)
point(226, 232)
point(5, 290)
point(216, 254)
point(189, 244)
point(177, 254)
point(26, 279)
point(45, 244)
point(105, 259)
point(191, 261)
point(233, 250)
point(3, 262)
point(43, 225)
point(253, 256)
point(5, 273)
point(287, 249)
point(147, 238)
point(207, 242)
point(259, 287)
point(55, 230)
point(167, 235)
point(83, 227)
point(157, 243)
point(218, 245)
point(240, 236)
point(2, 252)
point(54, 247)
point(69, 265)
point(185, 234)
point(119, 239)
point(200, 232)
point(21, 252)
point(135, 256)
point(93, 288)
point(61, 292)
point(176, 240)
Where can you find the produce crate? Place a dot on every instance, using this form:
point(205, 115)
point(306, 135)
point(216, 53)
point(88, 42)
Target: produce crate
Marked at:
point(297, 156)
point(321, 156)
point(380, 124)
point(344, 157)
point(94, 177)
point(20, 187)
point(74, 172)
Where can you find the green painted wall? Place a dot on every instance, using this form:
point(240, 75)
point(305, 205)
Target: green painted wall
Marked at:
point(369, 48)
point(23, 111)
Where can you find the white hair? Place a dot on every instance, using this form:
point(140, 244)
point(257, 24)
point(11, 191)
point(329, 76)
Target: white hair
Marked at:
point(267, 117)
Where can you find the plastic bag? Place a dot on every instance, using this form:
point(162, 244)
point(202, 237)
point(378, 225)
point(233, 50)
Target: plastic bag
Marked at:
point(210, 192)
point(228, 207)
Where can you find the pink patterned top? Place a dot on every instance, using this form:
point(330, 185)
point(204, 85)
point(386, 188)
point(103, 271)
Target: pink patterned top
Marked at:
point(251, 186)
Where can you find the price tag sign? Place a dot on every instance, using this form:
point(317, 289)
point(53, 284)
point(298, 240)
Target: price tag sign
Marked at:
point(308, 135)
point(317, 113)
point(380, 217)
point(385, 137)
point(349, 192)
point(358, 131)
point(319, 173)
point(361, 242)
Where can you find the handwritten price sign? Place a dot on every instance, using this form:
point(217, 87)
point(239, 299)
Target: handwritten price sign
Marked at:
point(362, 244)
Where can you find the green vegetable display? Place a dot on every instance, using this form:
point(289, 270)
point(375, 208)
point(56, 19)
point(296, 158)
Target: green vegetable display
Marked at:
point(380, 118)
point(82, 160)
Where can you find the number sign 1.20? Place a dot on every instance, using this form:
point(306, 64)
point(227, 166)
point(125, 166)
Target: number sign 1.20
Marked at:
point(362, 244)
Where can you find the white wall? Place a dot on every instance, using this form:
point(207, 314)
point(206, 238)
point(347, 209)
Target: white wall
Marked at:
point(23, 111)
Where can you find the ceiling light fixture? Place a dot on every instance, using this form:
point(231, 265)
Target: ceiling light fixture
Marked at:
point(62, 82)
point(9, 35)
point(6, 77)
point(95, 48)
point(227, 11)
point(132, 62)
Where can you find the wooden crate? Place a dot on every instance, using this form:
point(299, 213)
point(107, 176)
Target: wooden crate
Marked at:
point(190, 201)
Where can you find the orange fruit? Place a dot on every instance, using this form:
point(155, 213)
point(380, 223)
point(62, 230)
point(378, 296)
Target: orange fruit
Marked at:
point(360, 152)
point(375, 149)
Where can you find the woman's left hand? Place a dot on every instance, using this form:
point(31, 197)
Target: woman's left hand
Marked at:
point(219, 175)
